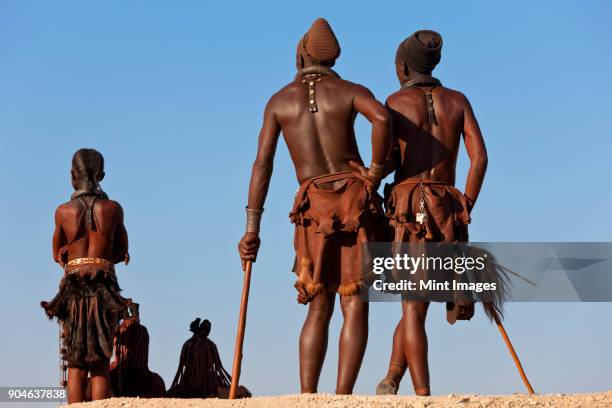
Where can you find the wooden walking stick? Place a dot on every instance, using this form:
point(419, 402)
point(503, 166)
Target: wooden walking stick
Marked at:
point(241, 326)
point(510, 347)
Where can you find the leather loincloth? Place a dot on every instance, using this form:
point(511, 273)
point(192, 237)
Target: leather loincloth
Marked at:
point(330, 226)
point(88, 306)
point(447, 211)
point(447, 221)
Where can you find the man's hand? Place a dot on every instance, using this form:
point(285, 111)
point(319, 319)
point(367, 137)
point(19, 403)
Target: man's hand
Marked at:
point(470, 204)
point(248, 247)
point(365, 172)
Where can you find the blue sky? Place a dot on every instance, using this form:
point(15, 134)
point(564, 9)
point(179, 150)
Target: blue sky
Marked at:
point(173, 96)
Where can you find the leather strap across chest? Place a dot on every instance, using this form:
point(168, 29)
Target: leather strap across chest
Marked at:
point(90, 224)
point(426, 83)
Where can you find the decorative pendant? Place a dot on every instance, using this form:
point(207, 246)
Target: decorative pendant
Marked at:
point(312, 104)
point(311, 80)
point(421, 217)
point(431, 112)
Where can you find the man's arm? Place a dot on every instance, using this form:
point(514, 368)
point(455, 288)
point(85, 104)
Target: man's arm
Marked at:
point(262, 167)
point(394, 159)
point(374, 111)
point(476, 150)
point(121, 239)
point(59, 237)
point(260, 181)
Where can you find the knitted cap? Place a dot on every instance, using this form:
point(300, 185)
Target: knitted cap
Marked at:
point(320, 42)
point(421, 51)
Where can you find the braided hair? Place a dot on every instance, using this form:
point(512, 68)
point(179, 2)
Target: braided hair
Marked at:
point(132, 345)
point(200, 373)
point(88, 165)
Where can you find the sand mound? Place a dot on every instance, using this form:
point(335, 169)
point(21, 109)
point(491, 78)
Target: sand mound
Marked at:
point(365, 401)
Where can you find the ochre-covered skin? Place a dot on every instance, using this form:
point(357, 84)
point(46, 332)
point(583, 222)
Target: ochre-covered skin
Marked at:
point(426, 141)
point(316, 113)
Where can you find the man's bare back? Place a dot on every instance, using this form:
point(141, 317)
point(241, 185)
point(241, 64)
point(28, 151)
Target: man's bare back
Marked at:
point(429, 151)
point(323, 142)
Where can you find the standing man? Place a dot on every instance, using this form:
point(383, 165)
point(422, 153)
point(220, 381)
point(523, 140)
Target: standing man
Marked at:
point(422, 203)
point(336, 207)
point(89, 240)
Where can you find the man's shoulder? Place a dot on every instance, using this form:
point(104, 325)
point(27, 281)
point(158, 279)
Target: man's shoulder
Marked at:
point(395, 97)
point(283, 94)
point(402, 95)
point(348, 89)
point(295, 85)
point(355, 87)
point(289, 89)
point(453, 92)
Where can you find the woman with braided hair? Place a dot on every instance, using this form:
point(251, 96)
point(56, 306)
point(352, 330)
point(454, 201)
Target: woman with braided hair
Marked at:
point(89, 239)
point(200, 373)
point(130, 374)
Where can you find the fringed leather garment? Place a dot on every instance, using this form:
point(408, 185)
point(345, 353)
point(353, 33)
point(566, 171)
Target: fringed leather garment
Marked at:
point(330, 226)
point(88, 304)
point(432, 211)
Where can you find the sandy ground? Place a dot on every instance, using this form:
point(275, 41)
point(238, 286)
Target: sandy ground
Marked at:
point(363, 401)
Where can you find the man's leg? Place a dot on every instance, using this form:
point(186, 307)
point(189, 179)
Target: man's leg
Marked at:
point(313, 340)
point(397, 365)
point(415, 344)
point(76, 385)
point(353, 341)
point(100, 382)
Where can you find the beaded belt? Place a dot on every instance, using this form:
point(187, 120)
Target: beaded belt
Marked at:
point(88, 261)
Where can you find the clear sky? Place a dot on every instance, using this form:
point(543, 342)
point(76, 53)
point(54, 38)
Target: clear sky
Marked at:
point(173, 93)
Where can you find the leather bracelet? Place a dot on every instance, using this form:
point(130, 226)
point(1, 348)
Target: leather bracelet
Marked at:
point(376, 171)
point(253, 220)
point(470, 203)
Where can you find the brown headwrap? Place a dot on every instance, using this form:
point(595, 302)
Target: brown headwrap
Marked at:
point(320, 42)
point(421, 51)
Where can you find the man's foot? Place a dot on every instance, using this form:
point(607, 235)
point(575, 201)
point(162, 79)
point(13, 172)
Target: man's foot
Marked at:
point(386, 387)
